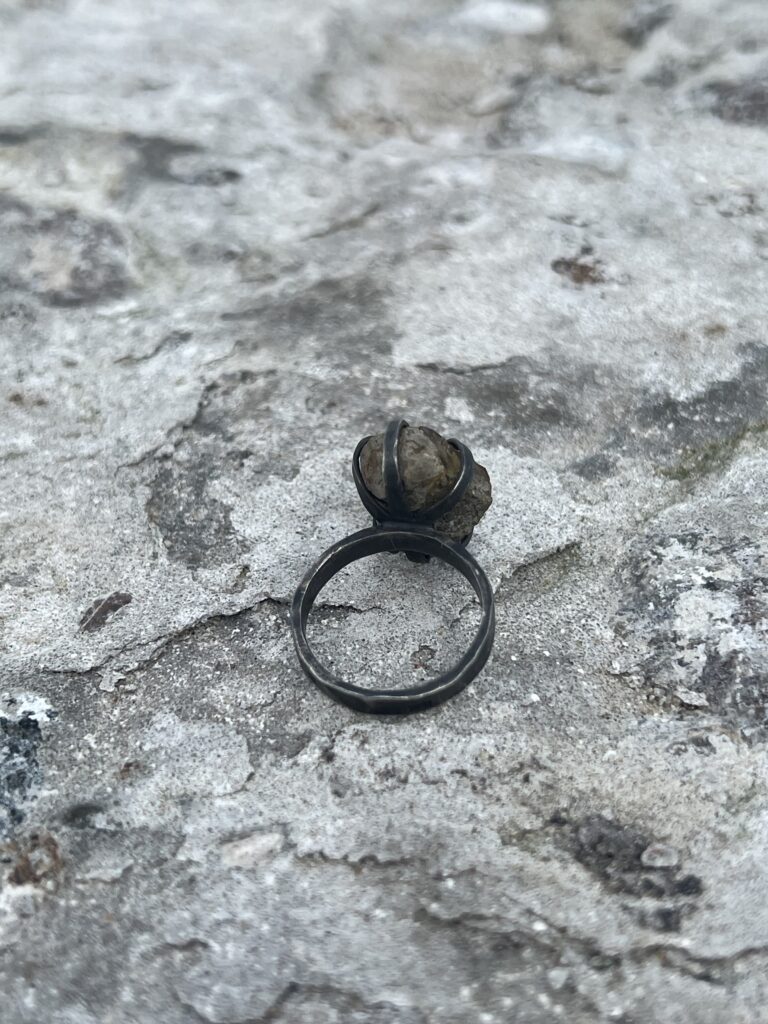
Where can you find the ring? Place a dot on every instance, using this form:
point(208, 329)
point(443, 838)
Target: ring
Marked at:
point(399, 528)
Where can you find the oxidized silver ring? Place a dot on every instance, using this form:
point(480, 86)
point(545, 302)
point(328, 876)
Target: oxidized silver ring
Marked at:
point(399, 527)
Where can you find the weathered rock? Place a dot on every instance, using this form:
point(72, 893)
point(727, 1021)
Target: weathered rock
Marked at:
point(543, 225)
point(430, 466)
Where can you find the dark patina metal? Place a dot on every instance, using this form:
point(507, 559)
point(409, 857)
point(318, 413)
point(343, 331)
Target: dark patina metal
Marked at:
point(398, 529)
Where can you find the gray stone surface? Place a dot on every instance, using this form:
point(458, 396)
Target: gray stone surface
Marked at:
point(228, 228)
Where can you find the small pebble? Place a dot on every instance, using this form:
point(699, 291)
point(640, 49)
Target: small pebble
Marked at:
point(557, 977)
point(109, 680)
point(659, 855)
point(691, 698)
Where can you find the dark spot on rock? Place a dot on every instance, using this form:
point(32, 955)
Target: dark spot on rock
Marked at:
point(19, 769)
point(594, 467)
point(196, 528)
point(663, 919)
point(518, 393)
point(64, 257)
point(744, 102)
point(689, 885)
point(644, 17)
point(547, 573)
point(682, 415)
point(17, 312)
point(344, 315)
point(677, 748)
point(614, 854)
point(169, 341)
point(695, 436)
point(422, 657)
point(96, 615)
point(582, 269)
point(208, 422)
point(731, 685)
point(18, 579)
point(80, 815)
point(604, 961)
point(609, 849)
point(91, 253)
point(213, 176)
point(18, 136)
point(14, 209)
point(346, 223)
point(156, 153)
point(240, 456)
point(130, 768)
point(702, 744)
point(37, 859)
point(649, 887)
point(241, 579)
point(21, 399)
point(734, 204)
point(665, 74)
point(339, 786)
point(289, 744)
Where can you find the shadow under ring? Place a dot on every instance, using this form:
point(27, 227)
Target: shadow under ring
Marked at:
point(410, 539)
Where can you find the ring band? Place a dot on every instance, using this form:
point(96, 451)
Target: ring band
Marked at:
point(413, 539)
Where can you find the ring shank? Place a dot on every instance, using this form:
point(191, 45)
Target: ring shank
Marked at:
point(408, 539)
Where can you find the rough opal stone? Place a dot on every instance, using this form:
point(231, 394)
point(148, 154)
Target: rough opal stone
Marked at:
point(429, 467)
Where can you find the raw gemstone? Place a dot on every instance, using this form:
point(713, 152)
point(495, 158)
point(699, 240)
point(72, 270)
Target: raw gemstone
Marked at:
point(429, 466)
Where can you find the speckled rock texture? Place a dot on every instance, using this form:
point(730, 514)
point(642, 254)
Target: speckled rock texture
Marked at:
point(429, 467)
point(235, 237)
